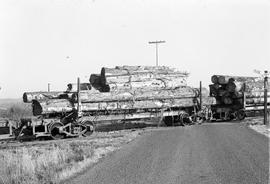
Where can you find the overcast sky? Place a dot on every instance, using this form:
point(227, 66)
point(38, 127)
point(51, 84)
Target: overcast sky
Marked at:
point(56, 41)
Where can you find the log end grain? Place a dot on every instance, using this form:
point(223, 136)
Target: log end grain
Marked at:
point(25, 98)
point(214, 79)
point(36, 108)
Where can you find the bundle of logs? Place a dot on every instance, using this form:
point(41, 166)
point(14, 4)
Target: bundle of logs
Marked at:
point(123, 78)
point(124, 88)
point(230, 90)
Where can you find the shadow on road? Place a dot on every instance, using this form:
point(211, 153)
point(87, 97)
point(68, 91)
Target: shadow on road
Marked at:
point(122, 125)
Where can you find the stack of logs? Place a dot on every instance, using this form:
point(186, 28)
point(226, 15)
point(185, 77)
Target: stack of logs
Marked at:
point(230, 90)
point(123, 78)
point(124, 88)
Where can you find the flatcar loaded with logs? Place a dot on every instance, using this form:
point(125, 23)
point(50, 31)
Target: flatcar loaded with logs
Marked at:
point(120, 93)
point(135, 93)
point(237, 97)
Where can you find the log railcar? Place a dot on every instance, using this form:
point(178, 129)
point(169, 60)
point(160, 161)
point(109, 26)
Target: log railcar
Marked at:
point(247, 104)
point(235, 112)
point(77, 122)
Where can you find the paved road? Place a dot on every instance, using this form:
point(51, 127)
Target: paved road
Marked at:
point(210, 153)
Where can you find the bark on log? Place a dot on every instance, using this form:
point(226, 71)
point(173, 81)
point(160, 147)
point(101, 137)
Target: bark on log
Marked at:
point(214, 79)
point(151, 84)
point(224, 79)
point(131, 70)
point(234, 86)
point(229, 90)
point(147, 104)
point(127, 77)
point(95, 81)
point(94, 78)
point(256, 100)
point(205, 92)
point(51, 106)
point(251, 94)
point(142, 77)
point(54, 106)
point(227, 100)
point(214, 89)
point(206, 101)
point(253, 108)
point(139, 95)
point(223, 93)
point(139, 68)
point(256, 94)
point(28, 97)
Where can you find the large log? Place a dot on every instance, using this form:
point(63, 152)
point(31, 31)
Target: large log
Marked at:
point(142, 77)
point(28, 97)
point(139, 95)
point(229, 90)
point(95, 81)
point(214, 89)
point(51, 106)
point(147, 104)
point(224, 79)
point(206, 101)
point(131, 70)
point(227, 100)
point(151, 84)
point(257, 94)
point(246, 87)
point(254, 108)
point(214, 79)
point(127, 77)
point(256, 100)
point(223, 93)
point(54, 106)
point(251, 94)
point(234, 86)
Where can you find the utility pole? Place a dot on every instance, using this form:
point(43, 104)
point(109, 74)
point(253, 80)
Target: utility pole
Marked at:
point(156, 42)
point(200, 95)
point(49, 85)
point(265, 78)
point(266, 121)
point(79, 104)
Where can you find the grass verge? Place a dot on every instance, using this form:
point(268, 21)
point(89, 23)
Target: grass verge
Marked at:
point(57, 160)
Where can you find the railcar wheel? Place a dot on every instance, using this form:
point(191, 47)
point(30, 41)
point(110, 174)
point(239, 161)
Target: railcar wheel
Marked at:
point(55, 131)
point(241, 115)
point(90, 127)
point(186, 121)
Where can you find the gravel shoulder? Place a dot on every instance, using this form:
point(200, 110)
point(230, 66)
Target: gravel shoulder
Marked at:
point(262, 129)
point(256, 124)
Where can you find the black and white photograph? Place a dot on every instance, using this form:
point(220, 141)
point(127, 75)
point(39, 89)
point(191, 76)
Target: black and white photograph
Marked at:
point(134, 91)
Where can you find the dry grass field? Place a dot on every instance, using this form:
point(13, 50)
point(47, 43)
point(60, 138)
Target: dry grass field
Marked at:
point(14, 109)
point(53, 161)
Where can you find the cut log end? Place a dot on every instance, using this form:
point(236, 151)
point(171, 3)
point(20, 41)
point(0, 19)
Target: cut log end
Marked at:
point(36, 108)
